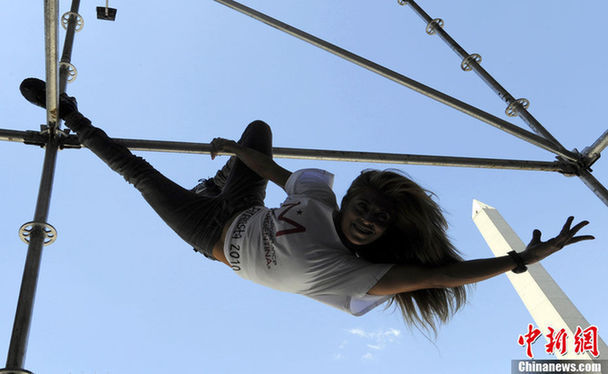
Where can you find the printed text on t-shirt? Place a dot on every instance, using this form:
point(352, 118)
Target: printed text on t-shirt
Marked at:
point(234, 253)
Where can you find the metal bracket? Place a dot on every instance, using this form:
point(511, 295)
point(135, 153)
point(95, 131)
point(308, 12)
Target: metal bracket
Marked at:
point(594, 151)
point(590, 159)
point(466, 62)
point(430, 28)
point(106, 13)
point(67, 141)
point(569, 168)
point(34, 138)
point(65, 19)
point(71, 69)
point(574, 168)
point(25, 232)
point(586, 159)
point(513, 108)
point(45, 130)
point(41, 138)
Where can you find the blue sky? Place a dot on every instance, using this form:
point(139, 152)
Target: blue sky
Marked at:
point(120, 292)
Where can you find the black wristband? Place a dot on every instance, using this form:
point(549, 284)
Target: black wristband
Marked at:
point(521, 267)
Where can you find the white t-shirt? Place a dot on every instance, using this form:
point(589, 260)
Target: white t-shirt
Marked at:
point(295, 248)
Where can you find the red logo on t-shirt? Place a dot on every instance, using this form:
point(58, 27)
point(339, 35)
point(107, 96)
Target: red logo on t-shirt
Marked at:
point(296, 226)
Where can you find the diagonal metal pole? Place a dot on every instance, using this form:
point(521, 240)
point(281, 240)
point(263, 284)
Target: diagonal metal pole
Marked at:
point(434, 26)
point(590, 154)
point(38, 235)
point(405, 81)
point(594, 185)
point(35, 138)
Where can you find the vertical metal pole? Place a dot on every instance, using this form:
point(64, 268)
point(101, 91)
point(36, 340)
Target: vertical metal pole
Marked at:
point(25, 304)
point(51, 21)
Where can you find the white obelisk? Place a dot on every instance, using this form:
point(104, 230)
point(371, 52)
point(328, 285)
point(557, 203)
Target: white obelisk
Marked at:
point(544, 299)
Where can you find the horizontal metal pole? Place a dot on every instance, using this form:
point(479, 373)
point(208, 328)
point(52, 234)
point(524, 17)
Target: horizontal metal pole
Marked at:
point(314, 154)
point(592, 153)
point(13, 135)
point(486, 77)
point(430, 160)
point(405, 81)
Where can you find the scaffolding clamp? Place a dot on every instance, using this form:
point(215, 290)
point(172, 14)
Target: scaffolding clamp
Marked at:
point(466, 62)
point(430, 28)
point(67, 141)
point(574, 168)
point(515, 106)
point(70, 69)
point(41, 138)
point(568, 168)
point(65, 19)
point(49, 232)
point(34, 138)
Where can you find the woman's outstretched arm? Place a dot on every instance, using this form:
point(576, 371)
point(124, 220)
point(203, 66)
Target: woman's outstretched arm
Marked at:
point(260, 163)
point(406, 278)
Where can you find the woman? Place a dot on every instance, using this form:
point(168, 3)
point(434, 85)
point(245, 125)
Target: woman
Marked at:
point(386, 242)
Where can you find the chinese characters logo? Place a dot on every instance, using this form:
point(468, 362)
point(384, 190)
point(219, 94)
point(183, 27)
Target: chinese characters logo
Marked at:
point(584, 340)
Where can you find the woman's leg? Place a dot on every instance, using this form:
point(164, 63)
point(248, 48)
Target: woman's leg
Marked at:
point(258, 136)
point(196, 219)
point(244, 188)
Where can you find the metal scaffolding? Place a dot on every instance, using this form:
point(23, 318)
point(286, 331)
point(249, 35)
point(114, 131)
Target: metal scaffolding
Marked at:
point(579, 162)
point(39, 233)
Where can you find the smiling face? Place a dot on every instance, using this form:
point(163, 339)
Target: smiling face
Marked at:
point(365, 217)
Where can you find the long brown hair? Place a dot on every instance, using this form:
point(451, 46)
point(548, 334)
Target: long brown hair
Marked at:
point(417, 236)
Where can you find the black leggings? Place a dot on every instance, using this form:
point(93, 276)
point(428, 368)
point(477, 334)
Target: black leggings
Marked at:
point(197, 218)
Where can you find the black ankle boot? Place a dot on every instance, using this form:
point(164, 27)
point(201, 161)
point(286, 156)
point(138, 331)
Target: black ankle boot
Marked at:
point(34, 91)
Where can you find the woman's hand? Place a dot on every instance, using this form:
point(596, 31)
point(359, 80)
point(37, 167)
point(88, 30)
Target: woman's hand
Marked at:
point(538, 250)
point(260, 163)
point(223, 145)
